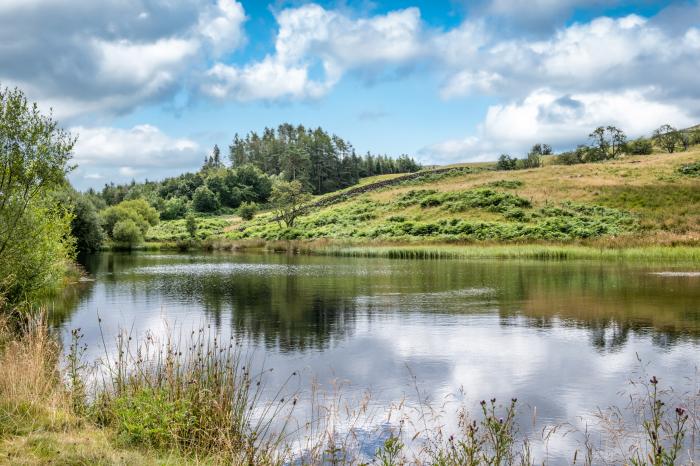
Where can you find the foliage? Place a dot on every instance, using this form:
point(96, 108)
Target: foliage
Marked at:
point(148, 418)
point(507, 184)
point(175, 207)
point(667, 137)
point(608, 142)
point(34, 229)
point(173, 196)
point(247, 210)
point(36, 258)
point(640, 146)
point(580, 155)
point(204, 200)
point(691, 169)
point(85, 225)
point(191, 225)
point(175, 230)
point(533, 160)
point(138, 211)
point(320, 161)
point(127, 233)
point(506, 162)
point(288, 199)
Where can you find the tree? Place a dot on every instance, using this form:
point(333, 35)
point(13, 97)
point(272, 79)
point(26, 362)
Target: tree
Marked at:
point(288, 199)
point(667, 137)
point(35, 236)
point(640, 146)
point(541, 149)
point(85, 225)
point(684, 139)
point(506, 162)
point(174, 208)
point(608, 142)
point(533, 160)
point(191, 224)
point(127, 233)
point(204, 200)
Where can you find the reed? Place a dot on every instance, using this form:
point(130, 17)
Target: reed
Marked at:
point(196, 399)
point(685, 254)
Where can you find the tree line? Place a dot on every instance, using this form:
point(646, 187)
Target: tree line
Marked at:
point(605, 143)
point(321, 162)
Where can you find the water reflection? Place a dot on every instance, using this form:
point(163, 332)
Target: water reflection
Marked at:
point(564, 337)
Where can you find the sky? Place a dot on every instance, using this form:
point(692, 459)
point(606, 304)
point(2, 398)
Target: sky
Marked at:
point(149, 86)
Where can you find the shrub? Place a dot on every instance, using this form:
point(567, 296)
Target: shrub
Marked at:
point(204, 200)
point(691, 169)
point(640, 146)
point(247, 210)
point(143, 208)
point(174, 208)
point(85, 226)
point(508, 184)
point(191, 225)
point(127, 233)
point(573, 157)
point(506, 162)
point(533, 160)
point(515, 214)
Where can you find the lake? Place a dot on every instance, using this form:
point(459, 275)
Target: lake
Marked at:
point(562, 337)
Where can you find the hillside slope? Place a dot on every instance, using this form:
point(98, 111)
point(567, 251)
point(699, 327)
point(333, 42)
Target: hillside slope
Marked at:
point(636, 200)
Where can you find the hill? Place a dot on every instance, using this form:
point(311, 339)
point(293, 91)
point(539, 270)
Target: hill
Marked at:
point(636, 200)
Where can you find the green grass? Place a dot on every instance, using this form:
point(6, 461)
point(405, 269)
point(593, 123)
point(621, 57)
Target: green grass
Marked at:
point(173, 230)
point(626, 203)
point(518, 251)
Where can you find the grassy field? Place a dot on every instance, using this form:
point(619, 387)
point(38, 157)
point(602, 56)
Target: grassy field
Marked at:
point(637, 201)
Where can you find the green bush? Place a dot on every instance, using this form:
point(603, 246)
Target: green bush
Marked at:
point(127, 233)
point(640, 146)
point(691, 169)
point(247, 210)
point(85, 225)
point(507, 184)
point(174, 208)
point(204, 200)
point(506, 163)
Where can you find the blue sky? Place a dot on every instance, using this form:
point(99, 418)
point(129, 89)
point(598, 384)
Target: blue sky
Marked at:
point(149, 86)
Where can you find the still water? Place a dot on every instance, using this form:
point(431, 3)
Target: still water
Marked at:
point(562, 337)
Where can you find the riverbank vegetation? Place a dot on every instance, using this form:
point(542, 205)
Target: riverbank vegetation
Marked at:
point(199, 399)
point(631, 202)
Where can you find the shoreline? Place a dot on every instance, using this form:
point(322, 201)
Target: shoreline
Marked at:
point(435, 250)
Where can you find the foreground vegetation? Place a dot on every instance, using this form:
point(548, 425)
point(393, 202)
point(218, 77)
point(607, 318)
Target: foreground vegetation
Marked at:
point(198, 400)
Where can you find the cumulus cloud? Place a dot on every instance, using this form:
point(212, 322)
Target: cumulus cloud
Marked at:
point(560, 120)
point(143, 151)
point(312, 38)
point(110, 56)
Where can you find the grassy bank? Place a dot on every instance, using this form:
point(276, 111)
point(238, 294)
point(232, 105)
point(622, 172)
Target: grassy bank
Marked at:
point(640, 204)
point(198, 400)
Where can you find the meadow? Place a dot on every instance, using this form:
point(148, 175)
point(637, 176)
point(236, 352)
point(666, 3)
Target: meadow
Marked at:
point(633, 202)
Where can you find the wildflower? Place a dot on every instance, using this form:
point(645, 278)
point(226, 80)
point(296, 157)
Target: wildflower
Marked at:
point(654, 380)
point(680, 411)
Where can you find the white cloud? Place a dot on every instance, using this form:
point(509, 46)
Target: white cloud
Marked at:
point(311, 37)
point(560, 120)
point(222, 26)
point(143, 150)
point(101, 58)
